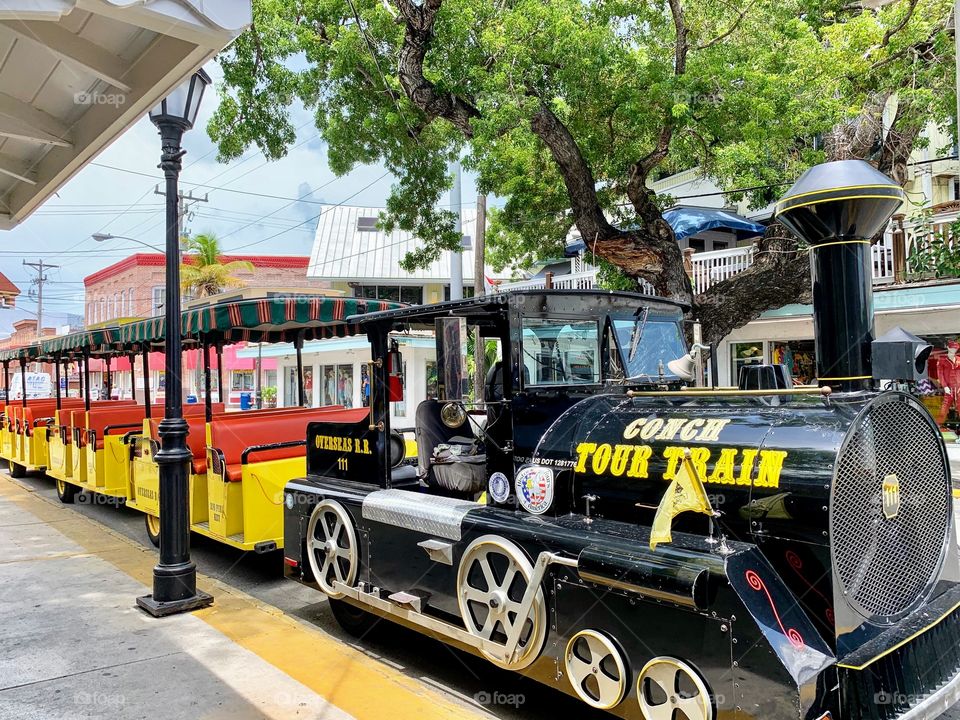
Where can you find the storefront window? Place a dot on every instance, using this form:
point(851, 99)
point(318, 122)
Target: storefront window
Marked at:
point(799, 357)
point(431, 384)
point(241, 380)
point(750, 353)
point(364, 385)
point(345, 385)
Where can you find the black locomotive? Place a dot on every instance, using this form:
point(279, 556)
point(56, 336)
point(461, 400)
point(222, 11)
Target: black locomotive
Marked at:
point(824, 583)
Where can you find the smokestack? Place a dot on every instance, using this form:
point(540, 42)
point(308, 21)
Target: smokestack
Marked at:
point(837, 207)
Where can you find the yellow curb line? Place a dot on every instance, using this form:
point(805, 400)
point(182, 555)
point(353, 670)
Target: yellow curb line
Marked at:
point(345, 677)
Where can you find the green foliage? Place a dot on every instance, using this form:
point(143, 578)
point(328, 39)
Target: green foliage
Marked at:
point(204, 273)
point(935, 251)
point(762, 80)
point(269, 393)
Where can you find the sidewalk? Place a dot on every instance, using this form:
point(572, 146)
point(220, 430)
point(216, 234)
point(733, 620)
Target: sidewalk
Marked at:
point(74, 645)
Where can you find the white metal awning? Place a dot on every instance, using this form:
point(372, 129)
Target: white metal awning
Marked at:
point(75, 74)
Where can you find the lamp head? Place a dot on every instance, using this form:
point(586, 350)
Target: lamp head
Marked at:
point(181, 106)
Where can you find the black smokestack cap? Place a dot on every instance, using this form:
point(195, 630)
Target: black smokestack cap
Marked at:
point(837, 207)
point(837, 200)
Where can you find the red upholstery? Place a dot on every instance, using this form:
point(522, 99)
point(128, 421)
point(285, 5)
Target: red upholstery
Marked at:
point(231, 434)
point(120, 420)
point(196, 439)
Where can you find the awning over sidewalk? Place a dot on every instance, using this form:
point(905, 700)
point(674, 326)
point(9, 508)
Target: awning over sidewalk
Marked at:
point(75, 74)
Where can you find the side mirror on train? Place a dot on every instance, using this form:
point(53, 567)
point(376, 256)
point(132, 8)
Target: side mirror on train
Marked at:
point(394, 373)
point(452, 375)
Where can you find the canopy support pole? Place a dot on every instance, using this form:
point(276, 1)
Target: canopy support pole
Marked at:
point(6, 381)
point(146, 380)
point(220, 373)
point(109, 380)
point(56, 380)
point(23, 381)
point(86, 379)
point(298, 343)
point(133, 377)
point(208, 400)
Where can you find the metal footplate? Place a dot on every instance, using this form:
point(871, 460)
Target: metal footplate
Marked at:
point(403, 605)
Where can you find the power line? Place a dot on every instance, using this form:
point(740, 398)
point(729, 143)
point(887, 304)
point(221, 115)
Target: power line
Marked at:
point(41, 278)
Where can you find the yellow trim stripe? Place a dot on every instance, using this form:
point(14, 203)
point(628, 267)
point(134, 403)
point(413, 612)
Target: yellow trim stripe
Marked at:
point(956, 492)
point(780, 211)
point(900, 644)
point(852, 377)
point(838, 189)
point(841, 242)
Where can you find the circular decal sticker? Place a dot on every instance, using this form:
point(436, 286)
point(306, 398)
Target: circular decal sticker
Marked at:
point(499, 487)
point(535, 488)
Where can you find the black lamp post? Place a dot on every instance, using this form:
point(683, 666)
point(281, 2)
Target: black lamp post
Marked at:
point(175, 576)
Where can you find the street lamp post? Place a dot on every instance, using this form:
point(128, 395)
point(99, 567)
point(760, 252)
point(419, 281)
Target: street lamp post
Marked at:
point(101, 237)
point(175, 576)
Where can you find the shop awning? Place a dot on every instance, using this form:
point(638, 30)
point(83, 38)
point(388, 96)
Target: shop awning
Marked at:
point(689, 221)
point(275, 319)
point(76, 74)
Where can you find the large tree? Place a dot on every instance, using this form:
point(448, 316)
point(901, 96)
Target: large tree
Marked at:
point(567, 109)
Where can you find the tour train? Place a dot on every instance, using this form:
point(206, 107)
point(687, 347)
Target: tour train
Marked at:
point(550, 530)
point(588, 517)
point(241, 460)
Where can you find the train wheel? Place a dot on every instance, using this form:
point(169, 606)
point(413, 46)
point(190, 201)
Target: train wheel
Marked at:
point(17, 470)
point(332, 547)
point(66, 492)
point(492, 579)
point(596, 669)
point(352, 619)
point(153, 529)
point(667, 685)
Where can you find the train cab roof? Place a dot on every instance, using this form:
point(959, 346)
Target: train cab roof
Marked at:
point(529, 303)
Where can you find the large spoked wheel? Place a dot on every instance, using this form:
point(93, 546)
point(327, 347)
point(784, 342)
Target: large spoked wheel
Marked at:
point(66, 492)
point(667, 685)
point(152, 523)
point(332, 547)
point(493, 576)
point(596, 669)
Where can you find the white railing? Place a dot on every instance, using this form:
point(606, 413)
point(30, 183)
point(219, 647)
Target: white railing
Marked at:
point(572, 281)
point(709, 268)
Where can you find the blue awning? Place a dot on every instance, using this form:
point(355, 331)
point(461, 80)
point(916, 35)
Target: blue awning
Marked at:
point(688, 221)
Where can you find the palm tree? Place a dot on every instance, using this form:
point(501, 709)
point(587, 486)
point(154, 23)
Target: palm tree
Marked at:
point(204, 273)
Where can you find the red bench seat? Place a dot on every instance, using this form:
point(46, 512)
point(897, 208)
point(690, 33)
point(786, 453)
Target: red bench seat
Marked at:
point(233, 434)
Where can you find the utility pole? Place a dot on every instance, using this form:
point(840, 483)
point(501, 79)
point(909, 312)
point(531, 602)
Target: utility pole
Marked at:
point(41, 267)
point(184, 202)
point(456, 256)
point(480, 288)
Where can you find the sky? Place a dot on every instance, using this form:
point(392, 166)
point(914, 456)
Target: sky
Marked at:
point(115, 194)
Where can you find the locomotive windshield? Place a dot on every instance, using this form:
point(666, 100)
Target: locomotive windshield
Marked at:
point(646, 344)
point(561, 351)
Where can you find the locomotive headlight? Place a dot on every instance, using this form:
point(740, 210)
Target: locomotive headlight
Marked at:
point(288, 501)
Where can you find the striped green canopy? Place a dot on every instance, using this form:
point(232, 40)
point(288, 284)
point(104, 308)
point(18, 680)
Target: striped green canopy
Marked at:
point(274, 319)
point(283, 318)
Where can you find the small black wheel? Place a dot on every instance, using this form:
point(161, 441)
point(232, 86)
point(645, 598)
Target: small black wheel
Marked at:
point(66, 492)
point(153, 529)
point(17, 470)
point(353, 620)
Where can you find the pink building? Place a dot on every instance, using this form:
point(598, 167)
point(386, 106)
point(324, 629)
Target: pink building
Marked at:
point(133, 288)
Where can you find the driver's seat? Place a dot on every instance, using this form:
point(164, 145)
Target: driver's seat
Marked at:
point(450, 459)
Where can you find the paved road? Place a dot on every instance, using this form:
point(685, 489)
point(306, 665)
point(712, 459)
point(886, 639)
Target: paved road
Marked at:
point(457, 674)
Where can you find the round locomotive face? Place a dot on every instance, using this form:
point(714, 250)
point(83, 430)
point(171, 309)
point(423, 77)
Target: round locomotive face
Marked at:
point(863, 477)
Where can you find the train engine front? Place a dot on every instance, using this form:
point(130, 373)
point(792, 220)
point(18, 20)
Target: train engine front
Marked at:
point(817, 577)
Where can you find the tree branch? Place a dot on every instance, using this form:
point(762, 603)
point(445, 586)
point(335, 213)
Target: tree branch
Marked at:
point(733, 27)
point(899, 26)
point(419, 20)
